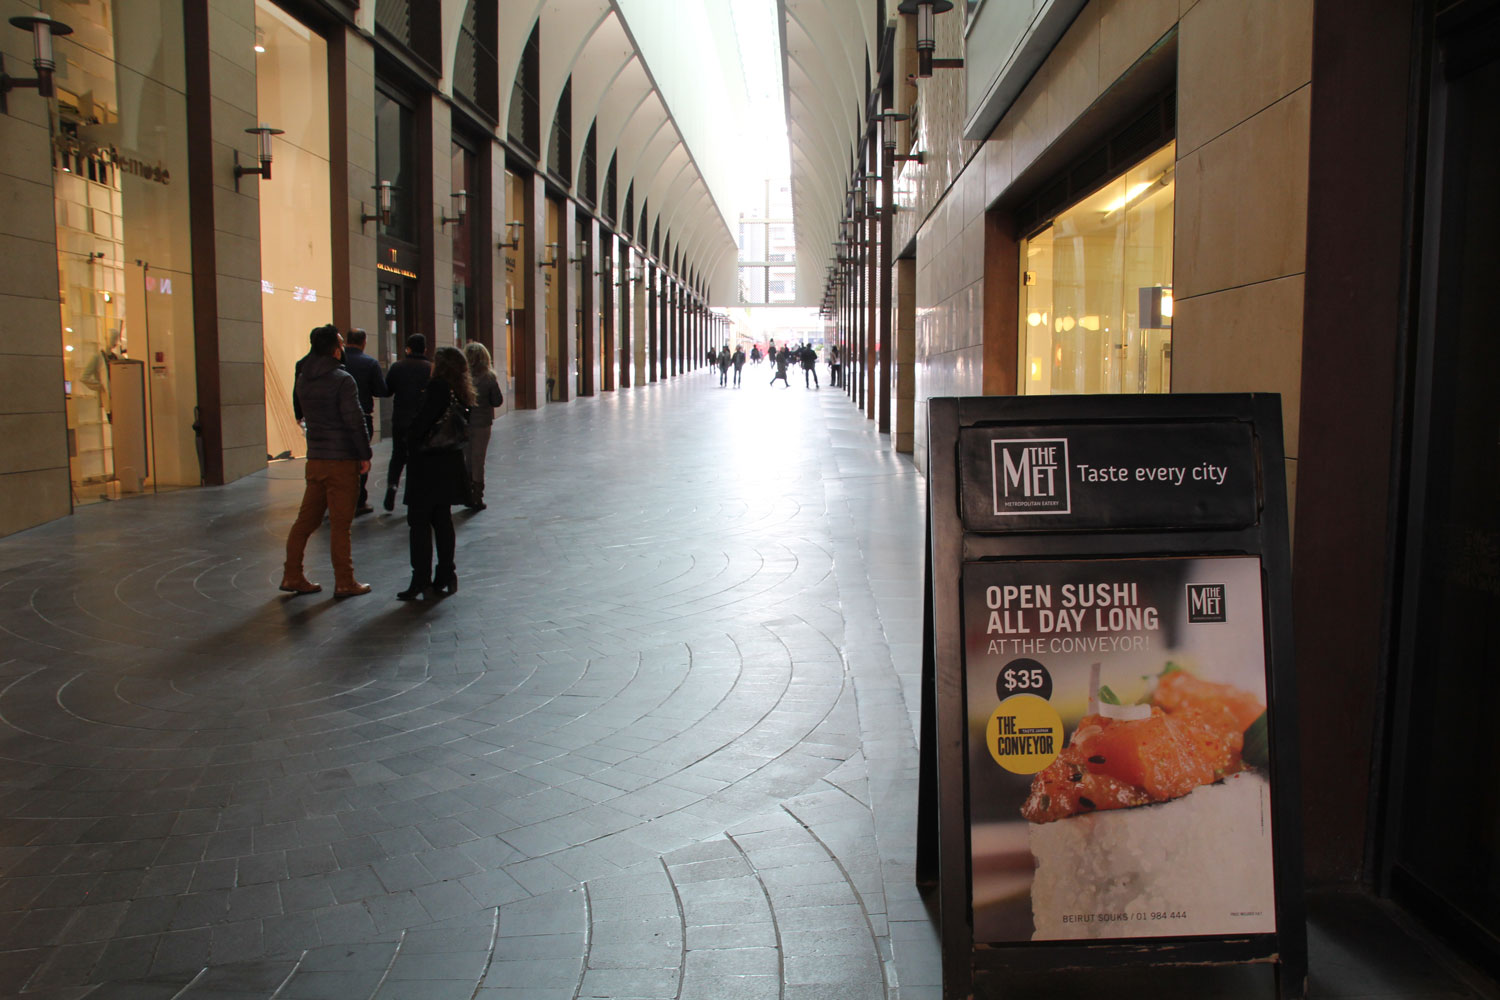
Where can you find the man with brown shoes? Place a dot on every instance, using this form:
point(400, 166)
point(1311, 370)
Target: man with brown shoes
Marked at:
point(338, 453)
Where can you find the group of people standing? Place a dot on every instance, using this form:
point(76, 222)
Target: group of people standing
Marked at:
point(803, 353)
point(724, 360)
point(442, 415)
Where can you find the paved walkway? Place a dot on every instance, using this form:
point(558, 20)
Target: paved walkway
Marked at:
point(659, 745)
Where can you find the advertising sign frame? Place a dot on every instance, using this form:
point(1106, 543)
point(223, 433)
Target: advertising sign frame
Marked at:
point(1142, 509)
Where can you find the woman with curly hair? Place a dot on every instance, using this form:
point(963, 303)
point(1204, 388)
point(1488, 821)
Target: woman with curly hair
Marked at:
point(436, 478)
point(487, 396)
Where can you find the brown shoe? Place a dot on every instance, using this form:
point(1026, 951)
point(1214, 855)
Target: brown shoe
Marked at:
point(352, 590)
point(302, 586)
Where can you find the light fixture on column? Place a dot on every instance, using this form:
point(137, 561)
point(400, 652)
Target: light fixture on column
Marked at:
point(582, 254)
point(384, 205)
point(926, 11)
point(262, 133)
point(460, 205)
point(43, 29)
point(513, 230)
point(551, 259)
point(889, 118)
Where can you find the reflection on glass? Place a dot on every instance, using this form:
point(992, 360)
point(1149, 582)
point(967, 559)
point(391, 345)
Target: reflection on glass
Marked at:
point(296, 253)
point(464, 177)
point(515, 290)
point(393, 138)
point(119, 163)
point(1097, 295)
point(552, 250)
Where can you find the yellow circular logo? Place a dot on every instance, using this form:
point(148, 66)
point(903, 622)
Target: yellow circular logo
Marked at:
point(1024, 734)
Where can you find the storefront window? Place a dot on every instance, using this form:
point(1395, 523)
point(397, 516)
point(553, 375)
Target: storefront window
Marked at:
point(1097, 289)
point(465, 178)
point(393, 139)
point(515, 288)
point(119, 159)
point(296, 262)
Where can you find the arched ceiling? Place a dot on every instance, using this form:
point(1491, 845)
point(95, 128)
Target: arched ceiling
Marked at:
point(828, 44)
point(591, 42)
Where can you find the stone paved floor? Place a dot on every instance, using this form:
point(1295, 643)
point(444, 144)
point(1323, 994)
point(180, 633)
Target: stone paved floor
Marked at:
point(659, 745)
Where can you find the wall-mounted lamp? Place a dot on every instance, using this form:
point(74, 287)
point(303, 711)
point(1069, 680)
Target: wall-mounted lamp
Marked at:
point(888, 119)
point(460, 205)
point(513, 229)
point(582, 254)
point(262, 133)
point(384, 205)
point(42, 29)
point(551, 259)
point(926, 11)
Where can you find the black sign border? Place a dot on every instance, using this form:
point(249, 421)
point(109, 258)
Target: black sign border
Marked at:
point(943, 856)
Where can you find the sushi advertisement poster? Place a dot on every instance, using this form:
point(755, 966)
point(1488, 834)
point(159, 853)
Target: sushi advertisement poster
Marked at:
point(1117, 749)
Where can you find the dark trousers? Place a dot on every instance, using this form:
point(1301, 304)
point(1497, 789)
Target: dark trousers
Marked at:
point(425, 522)
point(737, 375)
point(364, 477)
point(398, 457)
point(809, 371)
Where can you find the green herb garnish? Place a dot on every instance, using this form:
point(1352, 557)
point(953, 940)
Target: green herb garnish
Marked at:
point(1107, 696)
point(1257, 750)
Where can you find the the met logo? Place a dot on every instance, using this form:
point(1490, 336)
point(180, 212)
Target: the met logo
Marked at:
point(1206, 603)
point(1031, 475)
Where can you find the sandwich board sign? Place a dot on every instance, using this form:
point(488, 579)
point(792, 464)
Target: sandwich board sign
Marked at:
point(1108, 718)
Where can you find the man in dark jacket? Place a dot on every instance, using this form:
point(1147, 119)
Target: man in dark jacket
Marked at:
point(809, 359)
point(370, 383)
point(405, 380)
point(338, 453)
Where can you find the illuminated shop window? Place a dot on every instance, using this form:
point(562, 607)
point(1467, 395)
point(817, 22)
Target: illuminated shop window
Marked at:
point(1096, 296)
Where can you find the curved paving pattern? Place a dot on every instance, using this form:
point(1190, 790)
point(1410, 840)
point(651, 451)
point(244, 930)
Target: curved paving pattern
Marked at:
point(659, 745)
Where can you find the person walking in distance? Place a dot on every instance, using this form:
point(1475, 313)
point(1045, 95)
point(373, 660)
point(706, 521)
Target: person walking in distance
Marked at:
point(782, 359)
point(809, 359)
point(338, 453)
point(370, 383)
point(436, 479)
point(487, 396)
point(833, 365)
point(724, 364)
point(406, 380)
point(739, 364)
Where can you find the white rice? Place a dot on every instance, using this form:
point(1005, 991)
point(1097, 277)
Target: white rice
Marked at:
point(1130, 872)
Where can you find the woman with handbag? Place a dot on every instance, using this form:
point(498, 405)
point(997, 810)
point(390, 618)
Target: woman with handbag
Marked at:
point(436, 478)
point(487, 396)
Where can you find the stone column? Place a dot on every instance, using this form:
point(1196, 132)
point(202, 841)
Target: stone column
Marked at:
point(531, 338)
point(567, 303)
point(589, 299)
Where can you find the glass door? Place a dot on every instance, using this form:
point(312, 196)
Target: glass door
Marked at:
point(1443, 855)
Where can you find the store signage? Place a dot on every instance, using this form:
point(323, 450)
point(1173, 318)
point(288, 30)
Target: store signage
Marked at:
point(1107, 684)
point(1159, 475)
point(1150, 815)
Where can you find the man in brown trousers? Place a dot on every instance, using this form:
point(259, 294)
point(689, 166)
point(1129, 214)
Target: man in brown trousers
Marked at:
point(338, 453)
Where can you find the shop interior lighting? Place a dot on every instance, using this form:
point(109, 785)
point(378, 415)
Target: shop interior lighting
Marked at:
point(1137, 191)
point(384, 203)
point(262, 133)
point(43, 29)
point(927, 11)
point(513, 230)
point(460, 205)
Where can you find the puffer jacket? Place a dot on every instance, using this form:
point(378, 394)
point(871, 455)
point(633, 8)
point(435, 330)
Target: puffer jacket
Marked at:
point(330, 405)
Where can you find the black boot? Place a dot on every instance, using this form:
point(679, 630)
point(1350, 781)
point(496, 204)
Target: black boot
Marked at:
point(390, 498)
point(445, 582)
point(418, 588)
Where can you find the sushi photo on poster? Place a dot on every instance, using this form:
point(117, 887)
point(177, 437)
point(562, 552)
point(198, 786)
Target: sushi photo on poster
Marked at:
point(1119, 772)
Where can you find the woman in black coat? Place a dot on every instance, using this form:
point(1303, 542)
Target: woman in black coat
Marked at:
point(436, 478)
